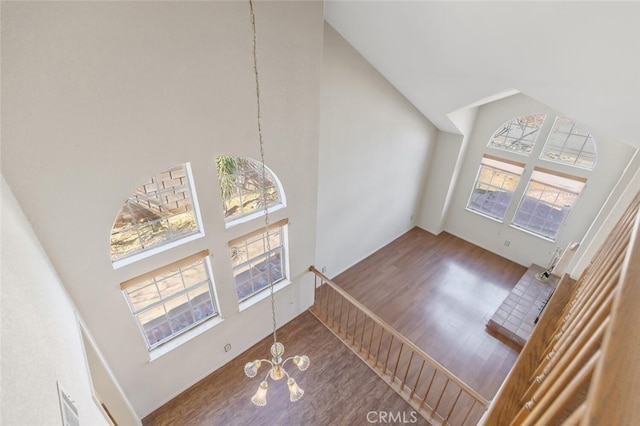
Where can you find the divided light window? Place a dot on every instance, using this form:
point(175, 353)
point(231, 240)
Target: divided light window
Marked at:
point(249, 259)
point(518, 135)
point(570, 143)
point(496, 181)
point(547, 202)
point(159, 211)
point(240, 182)
point(173, 299)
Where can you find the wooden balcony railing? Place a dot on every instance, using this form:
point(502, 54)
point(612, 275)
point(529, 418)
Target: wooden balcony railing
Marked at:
point(432, 390)
point(582, 362)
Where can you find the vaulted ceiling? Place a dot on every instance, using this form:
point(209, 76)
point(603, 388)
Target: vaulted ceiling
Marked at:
point(581, 58)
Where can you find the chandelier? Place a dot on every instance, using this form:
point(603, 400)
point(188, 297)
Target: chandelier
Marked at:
point(276, 364)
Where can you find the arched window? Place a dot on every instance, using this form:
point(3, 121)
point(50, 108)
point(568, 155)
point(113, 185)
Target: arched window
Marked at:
point(240, 180)
point(518, 135)
point(549, 195)
point(570, 143)
point(159, 211)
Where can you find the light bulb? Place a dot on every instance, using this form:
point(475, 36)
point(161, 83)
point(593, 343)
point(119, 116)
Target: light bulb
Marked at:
point(260, 398)
point(295, 392)
point(302, 361)
point(251, 368)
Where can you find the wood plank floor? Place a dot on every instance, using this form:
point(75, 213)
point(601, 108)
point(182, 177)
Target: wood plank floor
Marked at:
point(339, 388)
point(439, 292)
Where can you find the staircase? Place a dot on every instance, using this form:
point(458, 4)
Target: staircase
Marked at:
point(582, 362)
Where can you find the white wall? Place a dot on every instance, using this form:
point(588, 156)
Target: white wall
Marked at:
point(41, 342)
point(374, 151)
point(99, 96)
point(524, 248)
point(105, 389)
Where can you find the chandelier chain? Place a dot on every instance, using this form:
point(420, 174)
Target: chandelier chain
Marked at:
point(264, 170)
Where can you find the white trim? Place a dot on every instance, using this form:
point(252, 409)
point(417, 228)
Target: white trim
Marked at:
point(252, 216)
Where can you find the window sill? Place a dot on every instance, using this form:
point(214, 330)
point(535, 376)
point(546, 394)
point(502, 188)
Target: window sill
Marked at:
point(484, 215)
point(526, 231)
point(183, 338)
point(263, 294)
point(159, 249)
point(252, 216)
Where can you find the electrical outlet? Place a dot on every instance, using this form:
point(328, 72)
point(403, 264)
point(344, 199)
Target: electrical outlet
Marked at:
point(227, 347)
point(324, 269)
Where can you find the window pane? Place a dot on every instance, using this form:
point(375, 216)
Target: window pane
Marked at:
point(170, 285)
point(180, 313)
point(570, 143)
point(144, 296)
point(250, 263)
point(545, 207)
point(194, 274)
point(240, 181)
point(494, 188)
point(159, 211)
point(518, 135)
point(172, 301)
point(201, 303)
point(155, 325)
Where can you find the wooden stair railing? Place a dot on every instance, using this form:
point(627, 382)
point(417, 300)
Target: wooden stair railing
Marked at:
point(432, 390)
point(581, 364)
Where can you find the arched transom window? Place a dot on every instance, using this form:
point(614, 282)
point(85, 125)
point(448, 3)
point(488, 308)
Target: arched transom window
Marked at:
point(240, 181)
point(159, 211)
point(570, 143)
point(518, 135)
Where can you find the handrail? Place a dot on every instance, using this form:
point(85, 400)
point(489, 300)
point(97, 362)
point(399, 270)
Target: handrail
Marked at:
point(581, 363)
point(612, 398)
point(397, 335)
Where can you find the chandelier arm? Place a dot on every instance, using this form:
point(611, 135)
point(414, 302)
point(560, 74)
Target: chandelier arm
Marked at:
point(288, 359)
point(267, 375)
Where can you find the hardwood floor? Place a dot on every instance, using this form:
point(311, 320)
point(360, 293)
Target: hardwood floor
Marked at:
point(339, 388)
point(439, 292)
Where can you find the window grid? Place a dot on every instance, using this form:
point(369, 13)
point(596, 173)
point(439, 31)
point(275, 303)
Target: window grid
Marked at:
point(518, 135)
point(171, 303)
point(241, 184)
point(249, 259)
point(493, 191)
point(569, 143)
point(159, 211)
point(543, 209)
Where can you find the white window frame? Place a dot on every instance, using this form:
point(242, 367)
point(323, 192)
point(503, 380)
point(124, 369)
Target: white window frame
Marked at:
point(178, 265)
point(248, 216)
point(582, 132)
point(169, 243)
point(495, 165)
point(549, 179)
point(507, 133)
point(279, 226)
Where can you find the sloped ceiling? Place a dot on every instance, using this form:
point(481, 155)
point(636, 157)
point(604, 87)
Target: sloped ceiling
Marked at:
point(577, 57)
